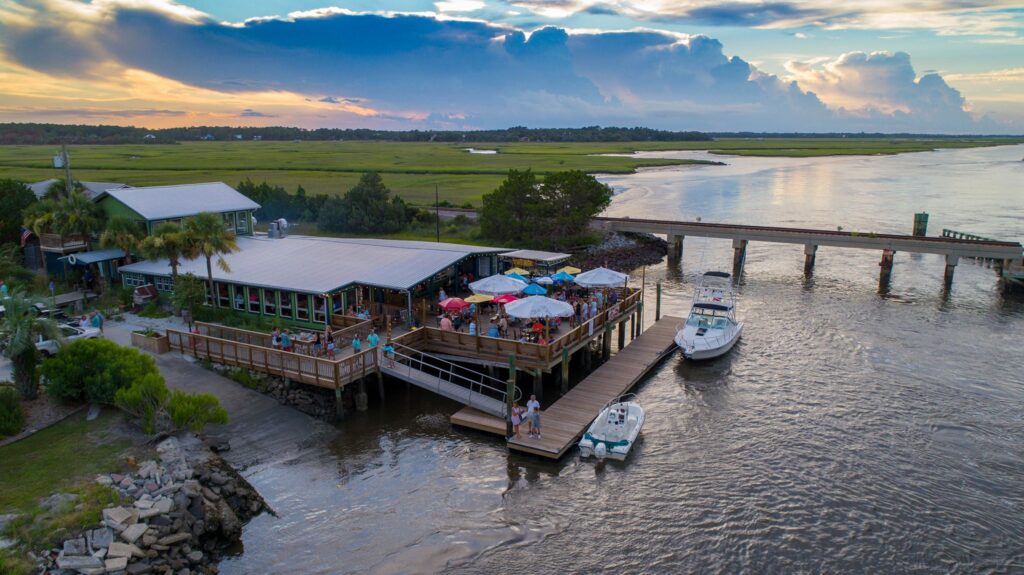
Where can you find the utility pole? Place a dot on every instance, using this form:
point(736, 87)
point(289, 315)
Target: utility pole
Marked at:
point(437, 213)
point(66, 159)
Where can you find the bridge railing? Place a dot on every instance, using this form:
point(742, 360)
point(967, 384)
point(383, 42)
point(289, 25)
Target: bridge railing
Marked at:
point(445, 371)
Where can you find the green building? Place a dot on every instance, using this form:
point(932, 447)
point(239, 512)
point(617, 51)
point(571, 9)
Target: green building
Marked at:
point(153, 205)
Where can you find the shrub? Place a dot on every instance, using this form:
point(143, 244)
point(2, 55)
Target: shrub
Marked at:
point(144, 399)
point(154, 311)
point(193, 411)
point(94, 370)
point(12, 419)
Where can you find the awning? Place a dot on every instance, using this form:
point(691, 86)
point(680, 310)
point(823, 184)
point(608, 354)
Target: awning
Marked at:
point(86, 258)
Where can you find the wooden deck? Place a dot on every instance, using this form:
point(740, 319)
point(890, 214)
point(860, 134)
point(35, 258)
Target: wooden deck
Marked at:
point(565, 421)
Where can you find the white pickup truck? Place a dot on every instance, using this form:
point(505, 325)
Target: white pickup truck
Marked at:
point(70, 333)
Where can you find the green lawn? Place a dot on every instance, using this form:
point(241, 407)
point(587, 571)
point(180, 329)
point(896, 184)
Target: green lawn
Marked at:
point(410, 169)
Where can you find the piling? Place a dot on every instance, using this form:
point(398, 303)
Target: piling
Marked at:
point(675, 247)
point(380, 385)
point(657, 304)
point(510, 394)
point(622, 335)
point(339, 405)
point(565, 371)
point(362, 401)
point(739, 256)
point(810, 253)
point(538, 384)
point(951, 261)
point(606, 342)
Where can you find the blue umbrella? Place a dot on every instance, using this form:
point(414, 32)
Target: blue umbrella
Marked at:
point(534, 289)
point(562, 277)
point(518, 277)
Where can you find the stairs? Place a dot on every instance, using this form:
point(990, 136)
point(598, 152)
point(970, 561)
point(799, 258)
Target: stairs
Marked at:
point(450, 380)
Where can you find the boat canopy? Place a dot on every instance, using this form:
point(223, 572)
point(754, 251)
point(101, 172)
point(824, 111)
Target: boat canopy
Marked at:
point(717, 274)
point(713, 306)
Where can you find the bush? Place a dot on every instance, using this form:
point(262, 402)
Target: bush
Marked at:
point(367, 208)
point(144, 400)
point(193, 411)
point(160, 409)
point(12, 419)
point(94, 370)
point(153, 311)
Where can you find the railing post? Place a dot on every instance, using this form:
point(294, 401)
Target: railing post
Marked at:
point(565, 369)
point(657, 309)
point(510, 394)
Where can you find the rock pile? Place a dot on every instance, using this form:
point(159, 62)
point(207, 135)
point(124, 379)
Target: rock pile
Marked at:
point(623, 252)
point(183, 509)
point(309, 400)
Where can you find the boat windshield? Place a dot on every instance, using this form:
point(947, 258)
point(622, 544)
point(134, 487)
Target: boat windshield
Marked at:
point(707, 321)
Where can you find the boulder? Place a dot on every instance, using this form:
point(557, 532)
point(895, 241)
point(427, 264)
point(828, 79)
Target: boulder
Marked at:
point(118, 549)
point(195, 556)
point(75, 547)
point(139, 568)
point(133, 532)
point(119, 515)
point(116, 564)
point(101, 538)
point(163, 505)
point(78, 563)
point(58, 501)
point(174, 539)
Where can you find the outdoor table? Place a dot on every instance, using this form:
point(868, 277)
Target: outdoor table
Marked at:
point(303, 342)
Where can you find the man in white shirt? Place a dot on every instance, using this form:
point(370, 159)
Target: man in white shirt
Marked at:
point(533, 417)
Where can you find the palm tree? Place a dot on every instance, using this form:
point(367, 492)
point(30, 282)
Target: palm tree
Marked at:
point(41, 216)
point(167, 241)
point(78, 215)
point(58, 189)
point(21, 327)
point(123, 233)
point(208, 237)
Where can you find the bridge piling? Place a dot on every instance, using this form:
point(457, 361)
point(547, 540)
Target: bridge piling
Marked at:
point(675, 247)
point(951, 261)
point(810, 253)
point(739, 255)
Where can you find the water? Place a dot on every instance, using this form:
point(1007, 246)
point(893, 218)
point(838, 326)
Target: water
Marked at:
point(851, 430)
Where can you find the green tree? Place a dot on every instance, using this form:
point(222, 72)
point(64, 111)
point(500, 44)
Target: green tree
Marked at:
point(571, 199)
point(11, 267)
point(73, 214)
point(94, 370)
point(167, 241)
point(507, 212)
point(123, 233)
point(58, 189)
point(14, 198)
point(205, 235)
point(189, 293)
point(367, 208)
point(144, 399)
point(20, 328)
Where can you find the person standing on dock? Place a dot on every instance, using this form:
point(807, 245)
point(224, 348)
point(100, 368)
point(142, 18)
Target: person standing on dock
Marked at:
point(446, 323)
point(373, 338)
point(533, 417)
point(286, 341)
point(275, 339)
point(357, 344)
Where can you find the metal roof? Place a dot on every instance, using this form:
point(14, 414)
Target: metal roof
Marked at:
point(166, 202)
point(537, 256)
point(86, 258)
point(92, 189)
point(319, 265)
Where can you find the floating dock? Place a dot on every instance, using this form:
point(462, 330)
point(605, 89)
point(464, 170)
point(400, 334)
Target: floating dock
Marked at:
point(564, 422)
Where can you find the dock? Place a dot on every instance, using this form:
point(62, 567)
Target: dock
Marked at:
point(564, 422)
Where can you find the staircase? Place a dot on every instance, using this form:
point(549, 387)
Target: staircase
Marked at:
point(451, 380)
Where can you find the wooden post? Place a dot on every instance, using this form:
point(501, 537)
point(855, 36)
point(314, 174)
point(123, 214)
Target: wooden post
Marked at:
point(810, 254)
point(510, 394)
point(622, 335)
point(339, 406)
point(632, 326)
point(657, 305)
point(885, 268)
point(951, 261)
point(639, 317)
point(739, 256)
point(565, 370)
point(380, 383)
point(606, 342)
point(538, 384)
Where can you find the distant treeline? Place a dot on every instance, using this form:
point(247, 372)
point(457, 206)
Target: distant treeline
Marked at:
point(84, 134)
point(855, 135)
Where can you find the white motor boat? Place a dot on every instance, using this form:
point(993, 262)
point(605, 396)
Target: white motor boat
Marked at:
point(615, 430)
point(711, 329)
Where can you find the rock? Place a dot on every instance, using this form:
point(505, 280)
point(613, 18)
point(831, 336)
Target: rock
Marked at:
point(58, 501)
point(118, 549)
point(144, 503)
point(149, 469)
point(174, 539)
point(163, 505)
point(220, 446)
point(78, 563)
point(191, 488)
point(104, 480)
point(227, 489)
point(101, 538)
point(126, 483)
point(148, 513)
point(183, 571)
point(150, 486)
point(116, 477)
point(139, 568)
point(75, 547)
point(219, 478)
point(195, 556)
point(119, 517)
point(229, 523)
point(116, 564)
point(209, 494)
point(133, 532)
point(148, 540)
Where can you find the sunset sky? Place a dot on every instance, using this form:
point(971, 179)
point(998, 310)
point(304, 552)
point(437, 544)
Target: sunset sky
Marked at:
point(937, 66)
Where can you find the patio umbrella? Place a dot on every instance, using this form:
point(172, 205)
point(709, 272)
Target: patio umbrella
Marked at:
point(517, 277)
point(498, 285)
point(453, 304)
point(504, 299)
point(544, 281)
point(538, 306)
point(601, 278)
point(534, 289)
point(479, 298)
point(562, 277)
point(517, 271)
point(570, 270)
point(538, 327)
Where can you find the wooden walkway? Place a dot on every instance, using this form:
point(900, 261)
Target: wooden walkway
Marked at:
point(565, 421)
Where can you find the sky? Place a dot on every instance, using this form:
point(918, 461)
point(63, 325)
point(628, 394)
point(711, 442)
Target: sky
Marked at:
point(923, 66)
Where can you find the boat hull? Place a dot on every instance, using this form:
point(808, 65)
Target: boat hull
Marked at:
point(699, 353)
point(592, 444)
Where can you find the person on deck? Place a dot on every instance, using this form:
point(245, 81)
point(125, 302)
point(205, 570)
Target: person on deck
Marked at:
point(330, 347)
point(441, 295)
point(373, 338)
point(493, 330)
point(503, 326)
point(318, 345)
point(389, 353)
point(446, 323)
point(275, 339)
point(533, 417)
point(286, 341)
point(357, 344)
point(472, 327)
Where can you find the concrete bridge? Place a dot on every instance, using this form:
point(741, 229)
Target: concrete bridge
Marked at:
point(1007, 254)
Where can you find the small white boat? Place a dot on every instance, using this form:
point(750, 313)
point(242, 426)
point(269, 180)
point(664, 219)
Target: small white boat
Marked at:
point(711, 329)
point(614, 431)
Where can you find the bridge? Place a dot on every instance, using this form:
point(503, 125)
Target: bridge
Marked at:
point(1009, 254)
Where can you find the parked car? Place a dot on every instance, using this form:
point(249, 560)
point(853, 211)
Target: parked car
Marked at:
point(70, 333)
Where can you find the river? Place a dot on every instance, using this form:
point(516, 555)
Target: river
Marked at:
point(852, 429)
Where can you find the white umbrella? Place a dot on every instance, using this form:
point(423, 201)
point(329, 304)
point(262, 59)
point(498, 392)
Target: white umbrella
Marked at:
point(497, 285)
point(601, 278)
point(538, 306)
point(544, 281)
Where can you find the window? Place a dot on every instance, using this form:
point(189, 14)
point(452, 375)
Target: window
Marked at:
point(133, 280)
point(319, 308)
point(302, 307)
point(242, 226)
point(163, 283)
point(286, 304)
point(223, 294)
point(254, 300)
point(238, 301)
point(269, 302)
point(229, 220)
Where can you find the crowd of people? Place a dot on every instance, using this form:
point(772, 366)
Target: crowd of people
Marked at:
point(327, 344)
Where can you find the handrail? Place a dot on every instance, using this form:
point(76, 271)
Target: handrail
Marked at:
point(498, 387)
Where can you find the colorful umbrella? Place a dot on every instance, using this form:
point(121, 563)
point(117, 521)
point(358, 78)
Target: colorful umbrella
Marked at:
point(517, 277)
point(563, 277)
point(517, 271)
point(543, 280)
point(601, 278)
point(498, 285)
point(537, 327)
point(453, 304)
point(478, 298)
point(539, 306)
point(570, 270)
point(534, 289)
point(503, 299)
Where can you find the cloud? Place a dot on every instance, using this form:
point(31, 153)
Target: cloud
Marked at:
point(460, 6)
point(92, 112)
point(423, 70)
point(1005, 75)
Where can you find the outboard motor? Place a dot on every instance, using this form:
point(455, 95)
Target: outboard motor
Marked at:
point(600, 450)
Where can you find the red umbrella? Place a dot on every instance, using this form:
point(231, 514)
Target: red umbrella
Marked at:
point(537, 327)
point(453, 304)
point(503, 299)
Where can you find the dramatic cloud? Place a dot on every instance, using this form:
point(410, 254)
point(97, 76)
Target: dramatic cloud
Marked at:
point(403, 70)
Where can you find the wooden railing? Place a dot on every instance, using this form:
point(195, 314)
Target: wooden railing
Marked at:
point(339, 321)
point(530, 355)
point(234, 334)
point(332, 374)
point(57, 242)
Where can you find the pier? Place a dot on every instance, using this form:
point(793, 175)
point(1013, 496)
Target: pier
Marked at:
point(567, 419)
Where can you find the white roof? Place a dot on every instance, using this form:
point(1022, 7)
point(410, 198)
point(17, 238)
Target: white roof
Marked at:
point(537, 256)
point(92, 189)
point(165, 202)
point(319, 265)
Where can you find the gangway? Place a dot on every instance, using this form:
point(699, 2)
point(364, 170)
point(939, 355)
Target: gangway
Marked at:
point(458, 383)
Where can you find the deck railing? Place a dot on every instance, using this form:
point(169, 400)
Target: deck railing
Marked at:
point(59, 243)
point(332, 374)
